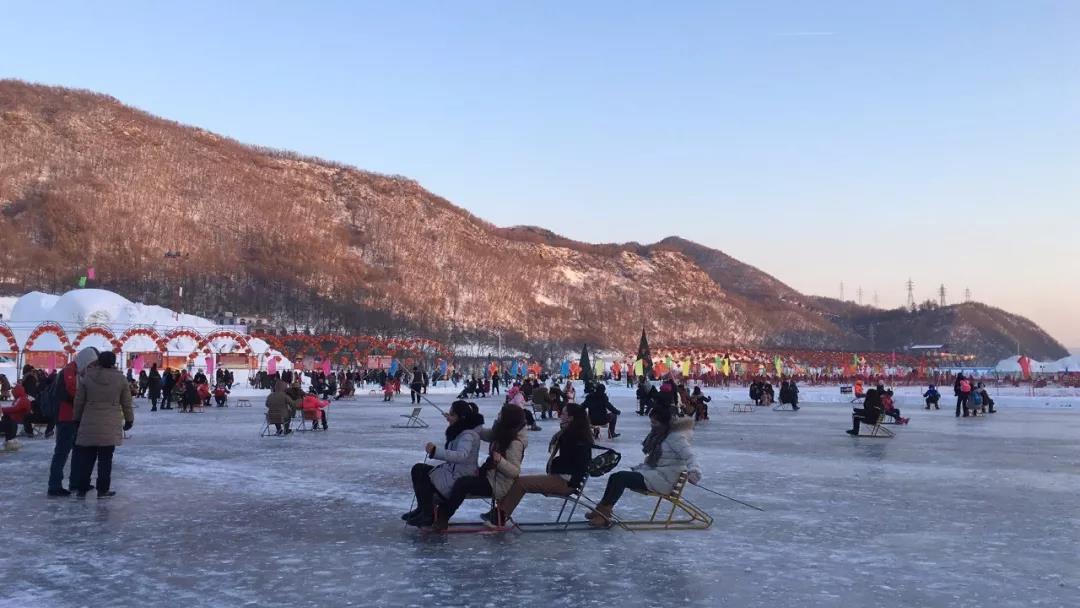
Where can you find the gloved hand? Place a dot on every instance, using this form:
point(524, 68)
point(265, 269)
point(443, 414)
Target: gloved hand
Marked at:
point(128, 424)
point(694, 476)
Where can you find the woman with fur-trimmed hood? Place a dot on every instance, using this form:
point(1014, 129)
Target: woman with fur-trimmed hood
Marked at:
point(668, 453)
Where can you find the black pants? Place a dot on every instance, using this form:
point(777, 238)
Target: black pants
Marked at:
point(9, 427)
point(83, 466)
point(422, 487)
point(31, 419)
point(894, 414)
point(467, 486)
point(166, 400)
point(529, 418)
point(961, 402)
point(280, 430)
point(65, 442)
point(932, 401)
point(619, 483)
point(153, 402)
point(860, 415)
point(414, 393)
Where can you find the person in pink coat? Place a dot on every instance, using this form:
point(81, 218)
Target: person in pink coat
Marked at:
point(315, 410)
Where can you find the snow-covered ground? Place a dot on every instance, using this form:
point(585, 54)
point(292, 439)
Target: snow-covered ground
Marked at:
point(951, 512)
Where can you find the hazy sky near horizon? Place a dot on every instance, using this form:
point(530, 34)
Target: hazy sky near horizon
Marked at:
point(823, 142)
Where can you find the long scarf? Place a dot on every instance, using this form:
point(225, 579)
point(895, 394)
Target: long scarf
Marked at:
point(652, 447)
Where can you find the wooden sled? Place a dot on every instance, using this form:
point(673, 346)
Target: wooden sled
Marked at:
point(690, 516)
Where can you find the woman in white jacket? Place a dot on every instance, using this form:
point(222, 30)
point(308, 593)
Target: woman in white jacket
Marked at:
point(459, 455)
point(667, 454)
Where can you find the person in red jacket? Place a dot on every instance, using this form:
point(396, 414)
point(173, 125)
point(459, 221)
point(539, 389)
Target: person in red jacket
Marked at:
point(13, 416)
point(65, 421)
point(314, 410)
point(204, 394)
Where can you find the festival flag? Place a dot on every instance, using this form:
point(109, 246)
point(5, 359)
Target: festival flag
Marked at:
point(586, 373)
point(599, 367)
point(138, 364)
point(779, 365)
point(726, 366)
point(639, 368)
point(90, 273)
point(644, 355)
point(686, 367)
point(271, 366)
point(210, 365)
point(564, 369)
point(326, 366)
point(442, 367)
point(82, 282)
point(393, 367)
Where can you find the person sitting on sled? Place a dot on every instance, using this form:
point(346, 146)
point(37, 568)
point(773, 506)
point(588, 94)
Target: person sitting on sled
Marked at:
point(668, 453)
point(891, 410)
point(314, 409)
point(869, 413)
point(221, 394)
point(601, 412)
point(458, 454)
point(569, 454)
point(932, 397)
point(699, 402)
point(508, 439)
point(985, 399)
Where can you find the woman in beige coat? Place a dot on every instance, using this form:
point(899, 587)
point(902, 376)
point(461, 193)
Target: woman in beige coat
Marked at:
point(102, 414)
point(508, 440)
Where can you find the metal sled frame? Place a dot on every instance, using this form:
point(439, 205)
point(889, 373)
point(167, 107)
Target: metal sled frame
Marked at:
point(742, 407)
point(473, 527)
point(693, 518)
point(577, 498)
point(267, 431)
point(783, 407)
point(412, 421)
point(878, 429)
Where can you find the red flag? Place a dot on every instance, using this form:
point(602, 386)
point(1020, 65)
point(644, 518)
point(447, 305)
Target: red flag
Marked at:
point(90, 273)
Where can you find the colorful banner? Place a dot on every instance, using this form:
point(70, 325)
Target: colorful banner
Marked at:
point(137, 365)
point(271, 365)
point(726, 367)
point(44, 359)
point(639, 368)
point(686, 368)
point(210, 362)
point(326, 367)
point(564, 369)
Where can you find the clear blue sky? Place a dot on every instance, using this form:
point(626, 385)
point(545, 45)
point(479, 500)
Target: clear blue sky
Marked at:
point(822, 141)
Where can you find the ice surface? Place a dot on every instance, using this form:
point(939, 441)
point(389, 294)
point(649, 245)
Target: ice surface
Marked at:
point(951, 512)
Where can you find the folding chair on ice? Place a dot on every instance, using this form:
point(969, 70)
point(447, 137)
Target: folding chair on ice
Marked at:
point(412, 421)
point(693, 518)
point(740, 407)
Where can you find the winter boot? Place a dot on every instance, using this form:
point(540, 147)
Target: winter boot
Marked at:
point(59, 492)
point(852, 432)
point(441, 522)
point(12, 445)
point(601, 517)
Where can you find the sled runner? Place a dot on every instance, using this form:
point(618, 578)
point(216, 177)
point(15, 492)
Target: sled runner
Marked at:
point(783, 407)
point(412, 421)
point(691, 517)
point(877, 429)
point(473, 527)
point(741, 407)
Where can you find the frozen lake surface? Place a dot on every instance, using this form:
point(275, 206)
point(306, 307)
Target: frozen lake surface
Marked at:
point(951, 512)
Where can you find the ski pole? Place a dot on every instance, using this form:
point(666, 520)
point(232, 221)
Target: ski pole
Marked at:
point(728, 497)
point(432, 403)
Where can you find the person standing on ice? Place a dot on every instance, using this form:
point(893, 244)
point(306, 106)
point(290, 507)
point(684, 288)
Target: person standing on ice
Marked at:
point(416, 384)
point(601, 412)
point(71, 375)
point(102, 412)
point(153, 386)
point(962, 389)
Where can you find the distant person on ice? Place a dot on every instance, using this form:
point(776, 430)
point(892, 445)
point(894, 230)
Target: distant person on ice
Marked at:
point(601, 412)
point(932, 397)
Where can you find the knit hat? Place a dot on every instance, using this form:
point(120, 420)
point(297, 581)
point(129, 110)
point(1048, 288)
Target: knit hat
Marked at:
point(85, 357)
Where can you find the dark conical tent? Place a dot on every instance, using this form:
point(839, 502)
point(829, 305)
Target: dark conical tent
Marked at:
point(644, 354)
point(586, 373)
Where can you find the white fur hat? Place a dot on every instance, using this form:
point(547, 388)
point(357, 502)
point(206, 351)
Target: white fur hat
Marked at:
point(85, 357)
